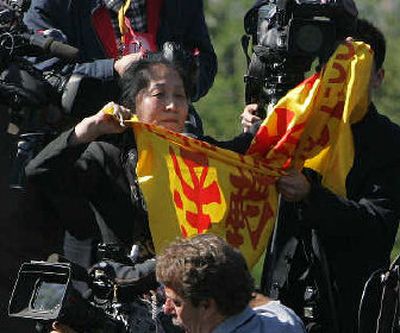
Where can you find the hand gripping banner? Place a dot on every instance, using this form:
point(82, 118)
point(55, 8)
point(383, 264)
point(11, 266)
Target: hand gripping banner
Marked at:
point(191, 187)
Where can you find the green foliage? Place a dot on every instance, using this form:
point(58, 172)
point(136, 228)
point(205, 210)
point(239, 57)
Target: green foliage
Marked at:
point(221, 108)
point(385, 16)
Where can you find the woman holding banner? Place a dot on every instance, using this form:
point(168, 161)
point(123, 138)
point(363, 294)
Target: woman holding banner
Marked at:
point(91, 167)
point(88, 173)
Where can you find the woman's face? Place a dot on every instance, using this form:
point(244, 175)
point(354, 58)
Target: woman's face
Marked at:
point(163, 102)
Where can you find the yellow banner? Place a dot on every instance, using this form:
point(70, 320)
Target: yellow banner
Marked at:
point(191, 187)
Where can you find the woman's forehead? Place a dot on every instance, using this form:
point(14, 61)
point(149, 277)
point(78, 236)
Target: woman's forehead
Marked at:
point(161, 71)
point(164, 76)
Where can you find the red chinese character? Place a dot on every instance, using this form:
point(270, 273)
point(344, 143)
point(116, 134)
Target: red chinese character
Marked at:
point(196, 192)
point(322, 141)
point(351, 51)
point(336, 111)
point(264, 140)
point(341, 75)
point(248, 202)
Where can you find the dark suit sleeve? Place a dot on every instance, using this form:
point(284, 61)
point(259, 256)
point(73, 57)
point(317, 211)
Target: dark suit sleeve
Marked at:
point(66, 176)
point(198, 37)
point(374, 212)
point(54, 14)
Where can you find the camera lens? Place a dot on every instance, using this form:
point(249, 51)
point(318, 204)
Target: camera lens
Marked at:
point(309, 38)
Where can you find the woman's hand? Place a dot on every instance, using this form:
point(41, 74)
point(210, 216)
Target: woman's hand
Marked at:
point(60, 328)
point(294, 186)
point(249, 117)
point(109, 120)
point(122, 64)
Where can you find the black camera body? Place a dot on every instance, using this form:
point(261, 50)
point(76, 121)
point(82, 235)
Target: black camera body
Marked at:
point(40, 290)
point(11, 25)
point(45, 291)
point(17, 40)
point(32, 100)
point(21, 83)
point(287, 37)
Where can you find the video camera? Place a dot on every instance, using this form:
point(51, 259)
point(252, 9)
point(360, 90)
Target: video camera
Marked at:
point(26, 93)
point(287, 36)
point(17, 40)
point(44, 291)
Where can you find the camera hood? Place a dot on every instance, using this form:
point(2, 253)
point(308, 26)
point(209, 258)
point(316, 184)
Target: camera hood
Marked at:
point(40, 290)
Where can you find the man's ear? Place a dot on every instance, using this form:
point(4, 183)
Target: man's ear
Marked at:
point(206, 303)
point(209, 305)
point(378, 77)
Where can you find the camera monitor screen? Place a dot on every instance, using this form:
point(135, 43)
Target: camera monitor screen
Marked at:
point(48, 296)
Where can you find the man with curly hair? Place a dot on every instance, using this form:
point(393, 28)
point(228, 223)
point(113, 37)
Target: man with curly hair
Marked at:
point(208, 288)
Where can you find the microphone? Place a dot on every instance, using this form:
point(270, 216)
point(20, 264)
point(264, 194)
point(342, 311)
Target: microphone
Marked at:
point(50, 46)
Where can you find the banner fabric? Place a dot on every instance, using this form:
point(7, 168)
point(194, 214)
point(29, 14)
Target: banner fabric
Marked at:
point(191, 187)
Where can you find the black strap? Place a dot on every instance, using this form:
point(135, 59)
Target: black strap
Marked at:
point(141, 231)
point(325, 279)
point(369, 307)
point(276, 274)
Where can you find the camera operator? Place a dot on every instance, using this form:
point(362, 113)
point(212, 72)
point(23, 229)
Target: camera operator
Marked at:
point(111, 34)
point(357, 233)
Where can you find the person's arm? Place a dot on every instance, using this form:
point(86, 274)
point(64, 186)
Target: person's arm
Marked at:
point(249, 118)
point(241, 143)
point(197, 37)
point(63, 173)
point(57, 327)
point(72, 145)
point(68, 171)
point(55, 14)
point(375, 211)
point(46, 15)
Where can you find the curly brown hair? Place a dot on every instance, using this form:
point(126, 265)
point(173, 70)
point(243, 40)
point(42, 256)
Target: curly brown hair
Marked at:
point(206, 267)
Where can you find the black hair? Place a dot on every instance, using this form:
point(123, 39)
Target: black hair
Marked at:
point(139, 74)
point(371, 35)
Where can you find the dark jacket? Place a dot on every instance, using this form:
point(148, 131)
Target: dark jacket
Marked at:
point(181, 21)
point(357, 233)
point(93, 188)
